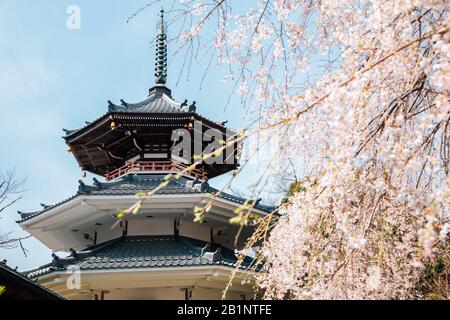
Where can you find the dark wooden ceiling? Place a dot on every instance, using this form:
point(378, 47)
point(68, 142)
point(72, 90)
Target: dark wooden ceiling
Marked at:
point(99, 148)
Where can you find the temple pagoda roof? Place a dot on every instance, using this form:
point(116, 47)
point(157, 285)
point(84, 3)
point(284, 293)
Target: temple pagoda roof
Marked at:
point(132, 184)
point(158, 101)
point(145, 130)
point(143, 127)
point(137, 252)
point(158, 105)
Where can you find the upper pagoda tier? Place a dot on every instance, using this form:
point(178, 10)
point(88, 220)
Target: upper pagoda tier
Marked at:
point(140, 137)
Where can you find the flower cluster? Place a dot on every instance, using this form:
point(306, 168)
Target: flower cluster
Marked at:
point(357, 93)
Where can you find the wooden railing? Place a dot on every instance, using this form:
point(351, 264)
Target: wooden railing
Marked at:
point(153, 166)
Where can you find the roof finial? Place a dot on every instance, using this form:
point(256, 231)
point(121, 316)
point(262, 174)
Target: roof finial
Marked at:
point(161, 53)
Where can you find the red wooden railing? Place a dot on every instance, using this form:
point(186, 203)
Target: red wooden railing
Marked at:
point(153, 166)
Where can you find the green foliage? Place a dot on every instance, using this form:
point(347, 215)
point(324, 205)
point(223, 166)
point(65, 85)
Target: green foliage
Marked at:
point(435, 269)
point(296, 186)
point(199, 213)
point(434, 283)
point(2, 290)
point(239, 220)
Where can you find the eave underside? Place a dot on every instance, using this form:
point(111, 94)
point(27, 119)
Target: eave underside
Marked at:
point(100, 149)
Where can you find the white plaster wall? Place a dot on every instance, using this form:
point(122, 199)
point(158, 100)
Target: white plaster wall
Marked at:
point(146, 294)
point(156, 227)
point(189, 228)
point(202, 293)
point(104, 233)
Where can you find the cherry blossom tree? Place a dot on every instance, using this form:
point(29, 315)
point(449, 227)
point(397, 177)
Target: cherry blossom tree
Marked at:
point(356, 95)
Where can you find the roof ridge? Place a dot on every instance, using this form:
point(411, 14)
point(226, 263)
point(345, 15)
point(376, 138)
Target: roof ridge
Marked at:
point(27, 272)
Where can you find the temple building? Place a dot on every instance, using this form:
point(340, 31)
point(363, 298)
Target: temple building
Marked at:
point(160, 252)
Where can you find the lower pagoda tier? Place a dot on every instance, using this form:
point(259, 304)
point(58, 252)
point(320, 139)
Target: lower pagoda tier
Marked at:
point(90, 216)
point(160, 260)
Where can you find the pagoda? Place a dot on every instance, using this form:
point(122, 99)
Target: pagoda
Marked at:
point(159, 253)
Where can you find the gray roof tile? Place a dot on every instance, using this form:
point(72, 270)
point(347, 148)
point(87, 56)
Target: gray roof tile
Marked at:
point(134, 183)
point(145, 252)
point(159, 101)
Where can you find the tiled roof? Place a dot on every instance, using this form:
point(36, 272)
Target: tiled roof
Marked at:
point(159, 101)
point(137, 252)
point(23, 283)
point(29, 215)
point(134, 183)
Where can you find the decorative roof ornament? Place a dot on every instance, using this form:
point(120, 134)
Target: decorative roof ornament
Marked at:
point(193, 107)
point(161, 53)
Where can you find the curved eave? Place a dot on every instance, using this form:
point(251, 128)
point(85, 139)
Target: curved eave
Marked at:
point(111, 115)
point(213, 276)
point(149, 252)
point(50, 271)
point(79, 198)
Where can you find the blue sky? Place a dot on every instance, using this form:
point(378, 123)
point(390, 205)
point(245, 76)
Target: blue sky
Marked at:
point(53, 78)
